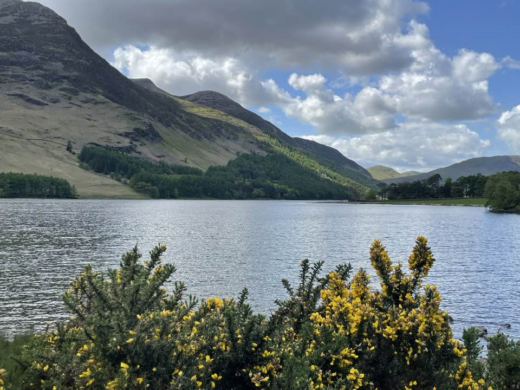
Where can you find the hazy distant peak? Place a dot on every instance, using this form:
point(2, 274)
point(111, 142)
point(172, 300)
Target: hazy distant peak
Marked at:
point(483, 165)
point(381, 172)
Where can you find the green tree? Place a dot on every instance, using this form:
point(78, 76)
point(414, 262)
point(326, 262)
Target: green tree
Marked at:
point(502, 191)
point(371, 195)
point(258, 193)
point(447, 187)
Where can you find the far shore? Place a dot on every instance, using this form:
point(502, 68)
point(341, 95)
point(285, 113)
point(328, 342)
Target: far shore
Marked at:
point(470, 202)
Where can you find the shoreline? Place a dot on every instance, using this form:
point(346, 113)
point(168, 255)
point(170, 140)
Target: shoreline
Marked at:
point(465, 202)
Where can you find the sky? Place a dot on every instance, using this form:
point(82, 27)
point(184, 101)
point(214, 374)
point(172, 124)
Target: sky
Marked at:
point(407, 84)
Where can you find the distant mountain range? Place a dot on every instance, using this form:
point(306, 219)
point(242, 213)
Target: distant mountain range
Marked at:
point(380, 172)
point(55, 88)
point(483, 165)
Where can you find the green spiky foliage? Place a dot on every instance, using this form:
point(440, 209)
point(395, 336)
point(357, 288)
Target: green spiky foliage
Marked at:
point(127, 331)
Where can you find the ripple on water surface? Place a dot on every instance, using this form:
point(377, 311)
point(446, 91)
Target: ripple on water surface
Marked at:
point(220, 247)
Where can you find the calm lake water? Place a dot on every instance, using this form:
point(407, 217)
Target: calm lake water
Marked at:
point(220, 247)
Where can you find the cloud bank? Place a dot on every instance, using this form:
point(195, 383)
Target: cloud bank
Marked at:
point(393, 97)
point(509, 128)
point(361, 37)
point(411, 145)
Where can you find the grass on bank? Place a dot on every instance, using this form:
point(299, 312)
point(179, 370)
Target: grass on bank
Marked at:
point(437, 202)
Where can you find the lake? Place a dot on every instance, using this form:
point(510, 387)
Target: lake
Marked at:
point(220, 247)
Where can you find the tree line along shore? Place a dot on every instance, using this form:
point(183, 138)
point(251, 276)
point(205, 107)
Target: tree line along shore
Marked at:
point(271, 176)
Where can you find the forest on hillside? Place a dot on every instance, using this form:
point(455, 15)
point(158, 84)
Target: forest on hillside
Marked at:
point(18, 185)
point(249, 176)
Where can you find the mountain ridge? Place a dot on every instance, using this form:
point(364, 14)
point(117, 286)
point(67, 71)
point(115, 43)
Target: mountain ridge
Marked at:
point(484, 165)
point(55, 89)
point(221, 102)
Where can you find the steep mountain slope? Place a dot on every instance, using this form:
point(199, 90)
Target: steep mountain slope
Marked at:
point(329, 157)
point(222, 103)
point(326, 155)
point(54, 88)
point(483, 165)
point(380, 172)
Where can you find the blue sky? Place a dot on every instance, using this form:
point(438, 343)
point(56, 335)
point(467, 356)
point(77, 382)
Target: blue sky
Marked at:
point(483, 26)
point(405, 83)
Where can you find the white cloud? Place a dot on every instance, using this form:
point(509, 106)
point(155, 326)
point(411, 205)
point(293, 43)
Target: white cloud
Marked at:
point(368, 111)
point(511, 63)
point(440, 88)
point(309, 83)
point(358, 37)
point(433, 88)
point(183, 74)
point(411, 146)
point(471, 67)
point(508, 127)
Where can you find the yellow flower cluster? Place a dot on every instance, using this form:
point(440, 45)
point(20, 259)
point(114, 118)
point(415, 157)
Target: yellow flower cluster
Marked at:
point(129, 333)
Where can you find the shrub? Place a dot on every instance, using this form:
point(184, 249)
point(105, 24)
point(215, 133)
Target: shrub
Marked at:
point(503, 191)
point(501, 367)
point(10, 369)
point(333, 331)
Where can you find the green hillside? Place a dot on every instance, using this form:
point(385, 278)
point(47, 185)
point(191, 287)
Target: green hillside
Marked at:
point(380, 172)
point(56, 89)
point(250, 176)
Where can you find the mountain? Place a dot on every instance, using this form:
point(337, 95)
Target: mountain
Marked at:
point(55, 88)
point(380, 172)
point(327, 156)
point(483, 165)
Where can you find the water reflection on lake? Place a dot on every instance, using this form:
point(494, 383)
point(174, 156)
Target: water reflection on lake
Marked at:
point(220, 247)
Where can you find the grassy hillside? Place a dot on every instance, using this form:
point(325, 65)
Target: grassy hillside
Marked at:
point(484, 165)
point(55, 89)
point(380, 172)
point(250, 176)
point(324, 155)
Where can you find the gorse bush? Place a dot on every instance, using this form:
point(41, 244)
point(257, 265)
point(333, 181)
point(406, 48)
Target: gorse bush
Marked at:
point(332, 332)
point(501, 368)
